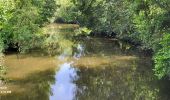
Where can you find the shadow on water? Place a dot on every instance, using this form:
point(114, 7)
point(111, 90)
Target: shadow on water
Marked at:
point(121, 83)
point(35, 86)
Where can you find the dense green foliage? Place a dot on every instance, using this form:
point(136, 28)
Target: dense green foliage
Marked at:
point(144, 21)
point(21, 21)
point(162, 58)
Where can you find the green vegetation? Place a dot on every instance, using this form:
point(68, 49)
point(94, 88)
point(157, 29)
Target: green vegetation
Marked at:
point(20, 25)
point(144, 21)
point(38, 30)
point(21, 21)
point(162, 57)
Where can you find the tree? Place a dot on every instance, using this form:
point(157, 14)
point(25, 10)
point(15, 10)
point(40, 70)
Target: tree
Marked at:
point(162, 58)
point(21, 21)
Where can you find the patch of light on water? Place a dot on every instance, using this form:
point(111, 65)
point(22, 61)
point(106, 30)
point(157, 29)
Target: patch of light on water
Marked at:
point(80, 49)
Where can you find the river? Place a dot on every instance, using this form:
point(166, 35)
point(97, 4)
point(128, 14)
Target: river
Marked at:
point(87, 68)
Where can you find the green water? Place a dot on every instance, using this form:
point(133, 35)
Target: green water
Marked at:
point(83, 68)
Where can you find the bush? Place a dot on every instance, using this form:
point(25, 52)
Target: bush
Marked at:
point(82, 31)
point(162, 58)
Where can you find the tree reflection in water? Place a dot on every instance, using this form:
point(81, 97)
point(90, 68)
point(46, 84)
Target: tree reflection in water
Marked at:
point(89, 69)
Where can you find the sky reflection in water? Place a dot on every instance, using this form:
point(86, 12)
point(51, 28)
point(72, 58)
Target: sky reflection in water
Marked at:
point(64, 88)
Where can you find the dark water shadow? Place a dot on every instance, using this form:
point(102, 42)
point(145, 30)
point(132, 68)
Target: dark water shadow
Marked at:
point(36, 86)
point(108, 82)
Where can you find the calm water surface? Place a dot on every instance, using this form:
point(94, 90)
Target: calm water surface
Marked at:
point(86, 69)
